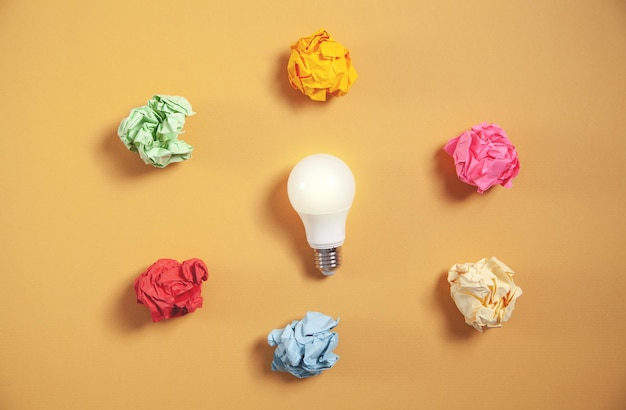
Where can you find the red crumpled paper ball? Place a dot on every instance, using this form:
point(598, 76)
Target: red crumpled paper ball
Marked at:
point(171, 289)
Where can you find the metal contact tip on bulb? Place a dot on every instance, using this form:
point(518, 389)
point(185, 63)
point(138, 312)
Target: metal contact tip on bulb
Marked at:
point(328, 260)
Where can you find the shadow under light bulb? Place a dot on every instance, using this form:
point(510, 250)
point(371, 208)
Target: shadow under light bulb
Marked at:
point(321, 189)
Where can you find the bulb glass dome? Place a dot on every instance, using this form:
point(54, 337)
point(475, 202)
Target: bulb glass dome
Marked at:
point(321, 189)
point(321, 184)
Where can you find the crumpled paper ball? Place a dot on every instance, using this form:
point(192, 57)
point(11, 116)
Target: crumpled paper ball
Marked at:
point(484, 292)
point(152, 130)
point(484, 157)
point(319, 65)
point(305, 347)
point(171, 289)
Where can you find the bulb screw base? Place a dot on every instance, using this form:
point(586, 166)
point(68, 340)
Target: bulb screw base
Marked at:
point(328, 260)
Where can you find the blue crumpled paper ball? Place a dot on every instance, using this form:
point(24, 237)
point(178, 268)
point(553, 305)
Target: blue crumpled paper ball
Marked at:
point(305, 347)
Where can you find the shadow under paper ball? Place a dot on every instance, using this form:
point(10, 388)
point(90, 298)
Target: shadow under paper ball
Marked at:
point(114, 151)
point(122, 161)
point(456, 326)
point(128, 315)
point(262, 355)
point(287, 219)
point(453, 188)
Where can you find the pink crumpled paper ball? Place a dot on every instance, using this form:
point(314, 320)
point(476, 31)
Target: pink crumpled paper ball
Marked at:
point(484, 157)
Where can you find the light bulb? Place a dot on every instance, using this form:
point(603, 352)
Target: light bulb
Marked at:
point(321, 189)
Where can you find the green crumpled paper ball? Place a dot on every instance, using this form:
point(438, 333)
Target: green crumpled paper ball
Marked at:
point(152, 130)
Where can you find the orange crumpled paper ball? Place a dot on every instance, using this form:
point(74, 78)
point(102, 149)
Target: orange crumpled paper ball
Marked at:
point(319, 65)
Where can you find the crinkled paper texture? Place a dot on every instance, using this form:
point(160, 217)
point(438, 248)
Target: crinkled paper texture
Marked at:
point(152, 130)
point(305, 347)
point(319, 65)
point(484, 157)
point(171, 289)
point(484, 292)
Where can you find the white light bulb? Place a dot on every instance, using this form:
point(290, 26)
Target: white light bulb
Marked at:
point(321, 189)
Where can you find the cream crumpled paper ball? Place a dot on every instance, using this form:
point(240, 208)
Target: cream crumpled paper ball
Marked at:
point(484, 292)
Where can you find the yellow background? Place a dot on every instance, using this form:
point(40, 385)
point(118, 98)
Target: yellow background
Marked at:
point(82, 216)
